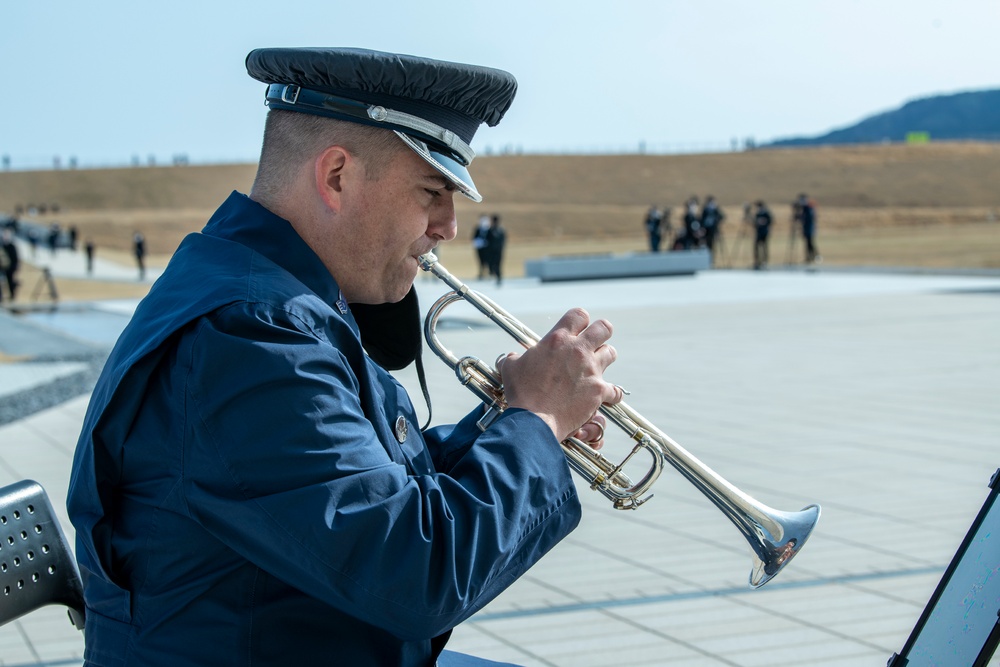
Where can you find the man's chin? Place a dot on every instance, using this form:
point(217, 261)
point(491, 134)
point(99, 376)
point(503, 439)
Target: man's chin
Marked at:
point(396, 298)
point(393, 289)
point(396, 292)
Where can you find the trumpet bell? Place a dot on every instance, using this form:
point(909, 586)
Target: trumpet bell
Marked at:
point(772, 552)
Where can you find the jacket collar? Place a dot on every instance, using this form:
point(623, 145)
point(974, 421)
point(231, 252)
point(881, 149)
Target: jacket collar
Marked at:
point(244, 221)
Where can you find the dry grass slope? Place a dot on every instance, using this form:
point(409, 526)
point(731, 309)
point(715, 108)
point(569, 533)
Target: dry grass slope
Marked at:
point(930, 205)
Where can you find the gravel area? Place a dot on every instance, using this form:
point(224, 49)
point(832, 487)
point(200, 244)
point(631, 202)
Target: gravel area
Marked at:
point(54, 392)
point(25, 343)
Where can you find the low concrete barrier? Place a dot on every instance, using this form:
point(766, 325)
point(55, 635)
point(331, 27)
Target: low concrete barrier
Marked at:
point(626, 265)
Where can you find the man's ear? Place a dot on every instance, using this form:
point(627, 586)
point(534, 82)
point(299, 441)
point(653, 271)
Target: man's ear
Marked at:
point(331, 168)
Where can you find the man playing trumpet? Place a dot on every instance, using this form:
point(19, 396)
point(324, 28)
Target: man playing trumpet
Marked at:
point(251, 487)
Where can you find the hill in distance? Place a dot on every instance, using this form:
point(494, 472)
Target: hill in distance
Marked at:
point(968, 116)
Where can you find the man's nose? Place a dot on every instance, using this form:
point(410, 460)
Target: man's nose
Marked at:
point(443, 224)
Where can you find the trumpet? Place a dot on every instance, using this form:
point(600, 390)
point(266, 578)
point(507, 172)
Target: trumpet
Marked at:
point(774, 536)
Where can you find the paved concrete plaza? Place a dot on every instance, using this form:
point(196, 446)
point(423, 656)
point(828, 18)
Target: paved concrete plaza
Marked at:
point(875, 395)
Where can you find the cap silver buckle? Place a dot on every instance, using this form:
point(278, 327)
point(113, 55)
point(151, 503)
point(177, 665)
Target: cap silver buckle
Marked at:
point(292, 89)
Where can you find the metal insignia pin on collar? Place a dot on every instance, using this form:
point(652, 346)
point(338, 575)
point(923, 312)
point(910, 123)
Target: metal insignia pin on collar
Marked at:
point(401, 429)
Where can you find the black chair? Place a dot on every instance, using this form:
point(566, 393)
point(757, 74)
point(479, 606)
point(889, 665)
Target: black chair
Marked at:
point(37, 567)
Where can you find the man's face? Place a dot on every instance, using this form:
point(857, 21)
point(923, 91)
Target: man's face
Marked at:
point(387, 223)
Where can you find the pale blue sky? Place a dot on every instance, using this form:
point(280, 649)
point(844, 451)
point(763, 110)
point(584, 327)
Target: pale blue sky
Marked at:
point(108, 81)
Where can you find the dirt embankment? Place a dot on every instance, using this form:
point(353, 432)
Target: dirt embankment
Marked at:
point(934, 205)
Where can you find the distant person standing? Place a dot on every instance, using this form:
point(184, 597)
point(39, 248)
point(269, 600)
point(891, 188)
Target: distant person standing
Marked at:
point(13, 263)
point(654, 230)
point(692, 224)
point(88, 248)
point(9, 263)
point(480, 243)
point(807, 217)
point(139, 246)
point(711, 222)
point(54, 233)
point(495, 241)
point(4, 263)
point(762, 224)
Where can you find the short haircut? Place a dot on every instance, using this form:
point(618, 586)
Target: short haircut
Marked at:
point(292, 138)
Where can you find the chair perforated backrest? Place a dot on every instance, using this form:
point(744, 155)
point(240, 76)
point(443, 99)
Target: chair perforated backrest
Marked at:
point(37, 567)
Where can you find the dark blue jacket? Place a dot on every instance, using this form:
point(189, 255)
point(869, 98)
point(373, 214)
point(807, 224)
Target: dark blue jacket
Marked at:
point(239, 492)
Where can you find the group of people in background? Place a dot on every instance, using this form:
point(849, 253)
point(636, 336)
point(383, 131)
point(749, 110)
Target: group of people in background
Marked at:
point(488, 240)
point(702, 227)
point(53, 236)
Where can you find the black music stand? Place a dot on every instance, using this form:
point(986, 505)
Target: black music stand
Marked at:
point(960, 626)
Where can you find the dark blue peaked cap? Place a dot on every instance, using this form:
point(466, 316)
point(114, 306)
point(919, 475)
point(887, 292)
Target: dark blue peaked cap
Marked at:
point(434, 106)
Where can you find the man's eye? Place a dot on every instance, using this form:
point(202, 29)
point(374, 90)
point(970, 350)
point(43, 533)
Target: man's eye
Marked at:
point(433, 193)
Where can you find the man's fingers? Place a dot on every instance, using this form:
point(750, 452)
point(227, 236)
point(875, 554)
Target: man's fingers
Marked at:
point(562, 379)
point(498, 364)
point(606, 354)
point(613, 394)
point(574, 320)
point(597, 333)
point(592, 433)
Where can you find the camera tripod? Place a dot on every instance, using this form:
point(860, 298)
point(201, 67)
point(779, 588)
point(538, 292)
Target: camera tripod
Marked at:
point(735, 250)
point(45, 280)
point(795, 223)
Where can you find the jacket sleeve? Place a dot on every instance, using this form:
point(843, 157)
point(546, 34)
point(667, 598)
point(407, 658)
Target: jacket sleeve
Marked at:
point(283, 462)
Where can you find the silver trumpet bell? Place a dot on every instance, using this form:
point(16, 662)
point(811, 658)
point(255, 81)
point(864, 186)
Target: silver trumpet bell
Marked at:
point(774, 536)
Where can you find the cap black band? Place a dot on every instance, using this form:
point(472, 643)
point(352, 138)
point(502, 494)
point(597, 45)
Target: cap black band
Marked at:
point(291, 97)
